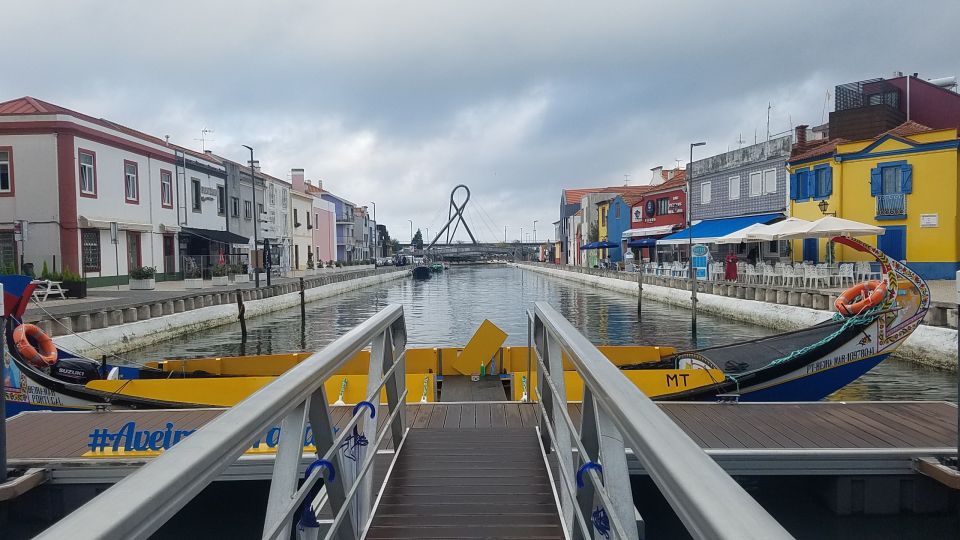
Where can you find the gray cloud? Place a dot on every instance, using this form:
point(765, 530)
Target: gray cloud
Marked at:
point(397, 102)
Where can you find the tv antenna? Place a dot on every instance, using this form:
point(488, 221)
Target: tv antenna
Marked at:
point(203, 139)
point(626, 179)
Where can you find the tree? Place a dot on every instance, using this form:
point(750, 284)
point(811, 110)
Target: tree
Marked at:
point(395, 245)
point(418, 240)
point(593, 235)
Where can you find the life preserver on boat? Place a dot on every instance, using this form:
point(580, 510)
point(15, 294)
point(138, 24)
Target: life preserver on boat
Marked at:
point(43, 354)
point(870, 294)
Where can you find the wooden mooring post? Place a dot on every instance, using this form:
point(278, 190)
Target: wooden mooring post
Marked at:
point(241, 310)
point(303, 302)
point(640, 296)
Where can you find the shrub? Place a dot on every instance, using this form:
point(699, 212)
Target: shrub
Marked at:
point(70, 277)
point(219, 270)
point(45, 272)
point(192, 272)
point(143, 272)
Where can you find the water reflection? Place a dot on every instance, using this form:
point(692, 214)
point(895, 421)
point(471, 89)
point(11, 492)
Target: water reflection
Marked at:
point(446, 309)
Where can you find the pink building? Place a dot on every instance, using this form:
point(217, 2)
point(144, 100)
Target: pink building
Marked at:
point(324, 226)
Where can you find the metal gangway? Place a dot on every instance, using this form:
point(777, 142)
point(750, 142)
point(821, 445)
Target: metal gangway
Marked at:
point(585, 466)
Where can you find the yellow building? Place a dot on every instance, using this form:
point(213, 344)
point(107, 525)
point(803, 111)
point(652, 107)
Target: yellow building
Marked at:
point(905, 180)
point(603, 211)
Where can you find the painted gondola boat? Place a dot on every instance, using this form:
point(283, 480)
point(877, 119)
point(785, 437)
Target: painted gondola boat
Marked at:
point(801, 365)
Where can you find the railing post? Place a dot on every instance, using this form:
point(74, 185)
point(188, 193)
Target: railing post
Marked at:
point(322, 428)
point(283, 483)
point(603, 442)
point(546, 395)
point(563, 445)
point(397, 382)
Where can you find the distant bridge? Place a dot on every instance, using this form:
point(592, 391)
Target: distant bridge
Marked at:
point(479, 251)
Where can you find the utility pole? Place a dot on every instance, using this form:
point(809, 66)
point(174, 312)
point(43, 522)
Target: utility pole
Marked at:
point(256, 216)
point(535, 231)
point(505, 234)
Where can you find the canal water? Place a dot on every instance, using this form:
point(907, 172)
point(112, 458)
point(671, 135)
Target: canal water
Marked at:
point(446, 309)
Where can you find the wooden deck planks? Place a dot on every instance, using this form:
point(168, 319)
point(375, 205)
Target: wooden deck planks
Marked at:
point(772, 426)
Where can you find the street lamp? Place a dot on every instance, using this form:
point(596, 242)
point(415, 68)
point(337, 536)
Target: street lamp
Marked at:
point(256, 213)
point(376, 254)
point(411, 233)
point(693, 271)
point(505, 233)
point(535, 231)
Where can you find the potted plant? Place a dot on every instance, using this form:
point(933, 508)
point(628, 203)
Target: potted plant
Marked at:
point(192, 277)
point(220, 277)
point(263, 275)
point(240, 273)
point(73, 285)
point(142, 278)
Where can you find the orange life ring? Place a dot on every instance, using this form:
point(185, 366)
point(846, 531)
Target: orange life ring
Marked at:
point(871, 294)
point(46, 356)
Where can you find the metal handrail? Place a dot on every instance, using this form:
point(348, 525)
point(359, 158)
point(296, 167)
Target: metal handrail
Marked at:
point(140, 504)
point(707, 500)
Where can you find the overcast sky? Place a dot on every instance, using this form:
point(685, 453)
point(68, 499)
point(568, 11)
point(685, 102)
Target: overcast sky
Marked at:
point(397, 102)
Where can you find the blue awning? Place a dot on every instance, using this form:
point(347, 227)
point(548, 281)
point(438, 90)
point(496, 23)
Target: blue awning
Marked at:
point(708, 230)
point(642, 242)
point(600, 245)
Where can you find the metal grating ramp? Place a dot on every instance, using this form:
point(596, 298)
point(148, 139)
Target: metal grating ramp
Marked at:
point(468, 483)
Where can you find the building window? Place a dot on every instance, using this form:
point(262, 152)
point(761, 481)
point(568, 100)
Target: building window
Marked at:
point(195, 196)
point(283, 199)
point(166, 189)
point(90, 247)
point(273, 195)
point(221, 200)
point(756, 184)
point(769, 181)
point(235, 206)
point(705, 193)
point(247, 210)
point(822, 179)
point(88, 173)
point(6, 170)
point(891, 180)
point(734, 189)
point(296, 222)
point(663, 206)
point(616, 211)
point(131, 182)
point(260, 208)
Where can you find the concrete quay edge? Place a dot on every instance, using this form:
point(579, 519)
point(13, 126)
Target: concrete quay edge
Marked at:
point(132, 335)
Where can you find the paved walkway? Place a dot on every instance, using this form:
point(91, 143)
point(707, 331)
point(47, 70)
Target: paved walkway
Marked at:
point(118, 297)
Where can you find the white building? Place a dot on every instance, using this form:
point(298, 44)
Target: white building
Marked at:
point(302, 205)
point(84, 189)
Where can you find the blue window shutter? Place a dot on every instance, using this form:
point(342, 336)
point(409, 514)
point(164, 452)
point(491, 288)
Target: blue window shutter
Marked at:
point(811, 185)
point(794, 185)
point(906, 178)
point(876, 182)
point(829, 183)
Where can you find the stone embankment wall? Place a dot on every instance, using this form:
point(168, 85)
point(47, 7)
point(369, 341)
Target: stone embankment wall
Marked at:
point(114, 331)
point(784, 309)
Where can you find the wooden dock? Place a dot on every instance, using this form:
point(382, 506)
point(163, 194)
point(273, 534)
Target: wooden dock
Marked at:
point(821, 438)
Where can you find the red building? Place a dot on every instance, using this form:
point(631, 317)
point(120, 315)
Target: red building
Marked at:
point(659, 211)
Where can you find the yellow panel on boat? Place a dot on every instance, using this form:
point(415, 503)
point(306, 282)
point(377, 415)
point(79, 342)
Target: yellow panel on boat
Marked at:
point(228, 391)
point(515, 358)
point(652, 382)
point(418, 361)
point(483, 346)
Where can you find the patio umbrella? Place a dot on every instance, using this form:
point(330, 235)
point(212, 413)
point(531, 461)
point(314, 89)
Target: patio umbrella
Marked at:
point(741, 236)
point(780, 230)
point(830, 226)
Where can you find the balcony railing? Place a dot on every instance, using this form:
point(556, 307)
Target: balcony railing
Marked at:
point(893, 204)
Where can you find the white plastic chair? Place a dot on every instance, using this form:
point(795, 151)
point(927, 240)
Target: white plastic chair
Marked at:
point(845, 274)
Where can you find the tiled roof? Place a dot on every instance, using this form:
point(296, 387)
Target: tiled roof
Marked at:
point(28, 105)
point(573, 196)
point(906, 129)
point(815, 148)
point(824, 147)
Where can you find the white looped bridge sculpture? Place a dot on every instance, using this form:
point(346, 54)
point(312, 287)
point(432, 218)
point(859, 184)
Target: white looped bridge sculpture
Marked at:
point(455, 213)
